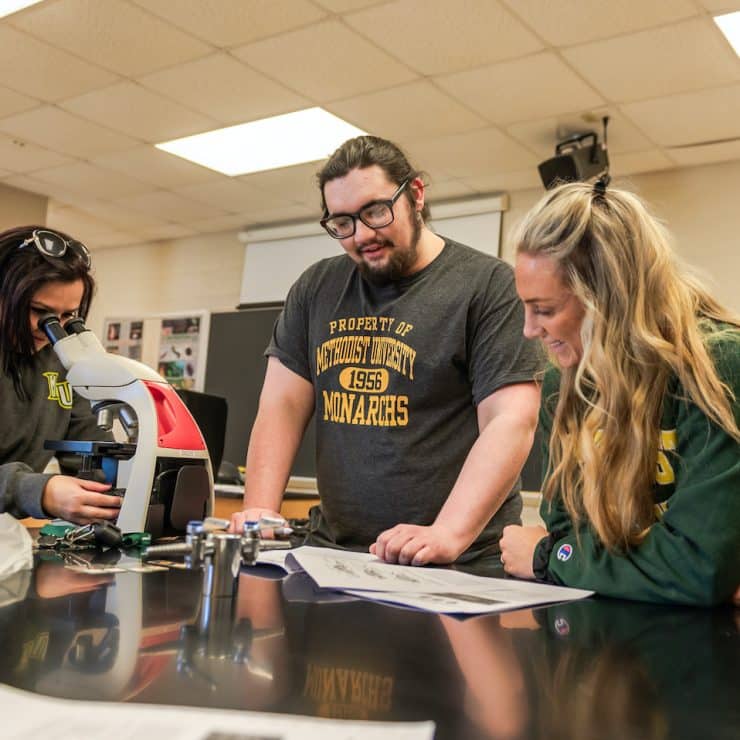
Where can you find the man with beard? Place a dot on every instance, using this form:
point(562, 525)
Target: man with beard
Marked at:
point(409, 351)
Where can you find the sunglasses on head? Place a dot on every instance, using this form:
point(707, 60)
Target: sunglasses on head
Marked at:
point(51, 244)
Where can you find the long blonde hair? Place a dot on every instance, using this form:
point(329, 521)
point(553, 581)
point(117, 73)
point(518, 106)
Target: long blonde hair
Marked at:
point(646, 320)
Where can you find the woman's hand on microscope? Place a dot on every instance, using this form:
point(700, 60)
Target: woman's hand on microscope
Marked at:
point(77, 500)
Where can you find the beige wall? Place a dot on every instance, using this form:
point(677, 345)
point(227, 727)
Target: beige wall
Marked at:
point(182, 275)
point(20, 208)
point(701, 206)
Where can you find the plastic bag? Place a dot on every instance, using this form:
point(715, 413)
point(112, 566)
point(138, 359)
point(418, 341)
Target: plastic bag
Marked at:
point(16, 548)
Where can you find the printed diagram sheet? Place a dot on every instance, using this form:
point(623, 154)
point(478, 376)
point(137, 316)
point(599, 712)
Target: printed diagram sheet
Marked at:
point(340, 569)
point(431, 589)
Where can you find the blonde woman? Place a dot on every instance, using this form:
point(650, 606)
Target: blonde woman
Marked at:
point(640, 408)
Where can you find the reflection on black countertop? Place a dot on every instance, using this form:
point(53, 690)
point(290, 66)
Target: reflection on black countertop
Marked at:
point(588, 669)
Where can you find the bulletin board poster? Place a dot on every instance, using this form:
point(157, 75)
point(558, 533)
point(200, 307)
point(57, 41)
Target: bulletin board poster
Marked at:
point(180, 349)
point(124, 337)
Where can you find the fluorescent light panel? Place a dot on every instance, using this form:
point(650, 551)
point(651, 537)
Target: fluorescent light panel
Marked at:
point(729, 24)
point(13, 6)
point(280, 141)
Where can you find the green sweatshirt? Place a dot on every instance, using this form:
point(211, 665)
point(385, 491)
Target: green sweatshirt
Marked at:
point(691, 555)
point(51, 411)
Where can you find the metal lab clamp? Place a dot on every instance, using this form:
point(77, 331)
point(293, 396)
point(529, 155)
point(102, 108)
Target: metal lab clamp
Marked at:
point(218, 553)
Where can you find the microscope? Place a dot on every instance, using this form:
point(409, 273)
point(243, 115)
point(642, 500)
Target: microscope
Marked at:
point(163, 472)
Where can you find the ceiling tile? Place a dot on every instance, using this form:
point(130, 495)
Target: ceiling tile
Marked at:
point(683, 57)
point(59, 192)
point(13, 102)
point(138, 112)
point(113, 34)
point(78, 223)
point(431, 171)
point(60, 131)
point(438, 191)
point(37, 69)
point(707, 154)
point(572, 22)
point(25, 182)
point(170, 207)
point(326, 61)
point(396, 112)
point(227, 23)
point(264, 216)
point(232, 222)
point(259, 216)
point(529, 88)
point(721, 6)
point(689, 118)
point(148, 164)
point(345, 6)
point(121, 217)
point(118, 239)
point(470, 154)
point(231, 195)
point(632, 163)
point(541, 136)
point(224, 89)
point(112, 224)
point(165, 231)
point(498, 181)
point(21, 156)
point(465, 87)
point(437, 36)
point(296, 184)
point(93, 181)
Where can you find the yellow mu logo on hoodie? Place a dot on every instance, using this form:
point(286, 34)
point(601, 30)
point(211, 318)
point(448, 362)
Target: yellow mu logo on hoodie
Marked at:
point(59, 392)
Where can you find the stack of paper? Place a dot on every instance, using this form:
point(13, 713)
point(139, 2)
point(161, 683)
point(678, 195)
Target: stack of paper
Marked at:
point(27, 715)
point(431, 589)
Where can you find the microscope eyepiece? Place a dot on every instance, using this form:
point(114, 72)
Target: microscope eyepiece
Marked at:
point(51, 326)
point(75, 325)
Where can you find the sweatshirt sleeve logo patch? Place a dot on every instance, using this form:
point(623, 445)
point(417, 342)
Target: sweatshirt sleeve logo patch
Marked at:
point(564, 552)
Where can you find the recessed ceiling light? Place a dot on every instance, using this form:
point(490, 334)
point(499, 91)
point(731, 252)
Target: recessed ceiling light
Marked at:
point(729, 24)
point(280, 141)
point(12, 6)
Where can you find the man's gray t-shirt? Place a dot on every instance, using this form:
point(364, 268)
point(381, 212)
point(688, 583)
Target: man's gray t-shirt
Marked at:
point(398, 371)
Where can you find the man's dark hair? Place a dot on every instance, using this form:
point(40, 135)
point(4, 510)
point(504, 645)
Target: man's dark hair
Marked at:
point(23, 272)
point(366, 151)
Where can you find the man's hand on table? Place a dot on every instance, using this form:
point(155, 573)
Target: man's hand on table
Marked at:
point(254, 514)
point(413, 544)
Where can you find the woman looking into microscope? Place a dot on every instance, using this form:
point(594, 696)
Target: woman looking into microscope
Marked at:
point(43, 271)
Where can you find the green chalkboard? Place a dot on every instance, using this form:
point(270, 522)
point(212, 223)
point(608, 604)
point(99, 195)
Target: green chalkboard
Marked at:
point(235, 369)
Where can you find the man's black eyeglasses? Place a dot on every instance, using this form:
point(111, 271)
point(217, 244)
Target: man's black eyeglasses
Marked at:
point(51, 244)
point(376, 215)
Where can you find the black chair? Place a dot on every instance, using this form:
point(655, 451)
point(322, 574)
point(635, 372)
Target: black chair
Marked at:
point(210, 413)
